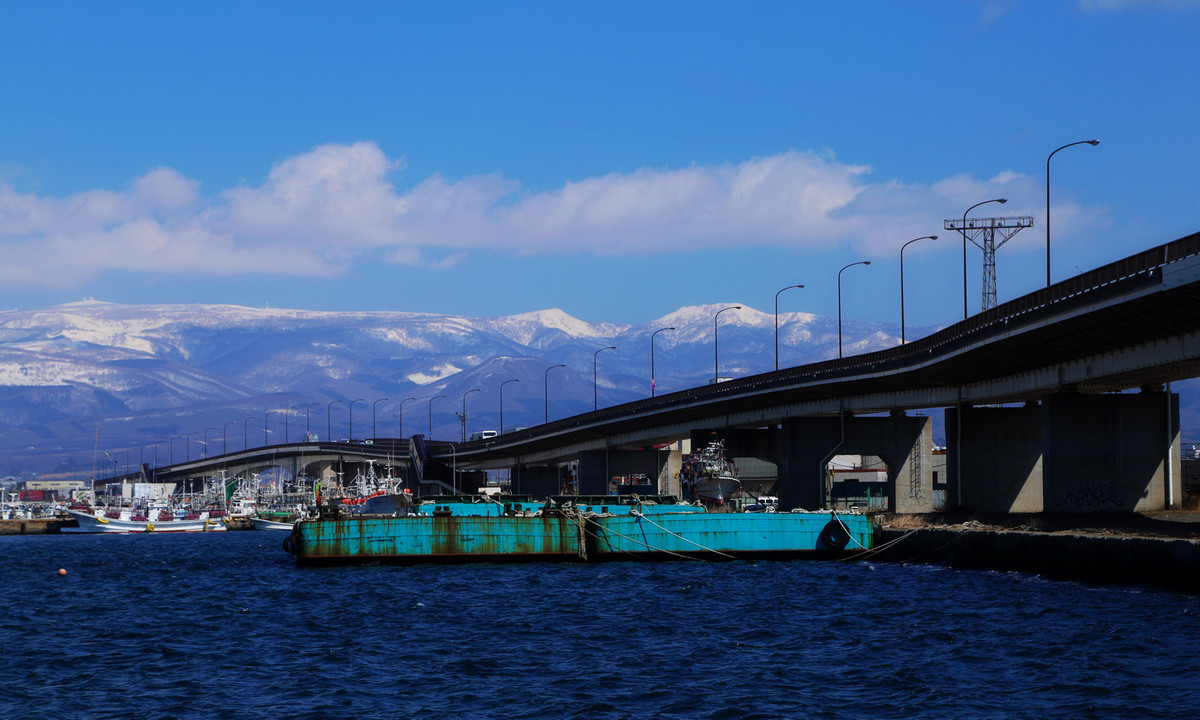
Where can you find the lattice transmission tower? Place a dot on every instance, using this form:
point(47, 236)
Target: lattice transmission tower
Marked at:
point(985, 229)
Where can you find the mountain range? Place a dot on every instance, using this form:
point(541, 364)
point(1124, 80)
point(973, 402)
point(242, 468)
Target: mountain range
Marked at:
point(159, 384)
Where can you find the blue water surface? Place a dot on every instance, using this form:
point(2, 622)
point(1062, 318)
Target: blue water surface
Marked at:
point(223, 625)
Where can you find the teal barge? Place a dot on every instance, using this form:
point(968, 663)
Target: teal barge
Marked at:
point(573, 529)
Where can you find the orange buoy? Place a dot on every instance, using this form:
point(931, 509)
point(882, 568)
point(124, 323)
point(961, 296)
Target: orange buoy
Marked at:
point(62, 571)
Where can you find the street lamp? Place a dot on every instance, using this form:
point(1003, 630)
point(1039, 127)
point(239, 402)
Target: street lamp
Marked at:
point(431, 414)
point(351, 406)
point(595, 391)
point(546, 389)
point(187, 446)
point(1093, 143)
point(307, 417)
point(206, 439)
point(716, 371)
point(373, 406)
point(464, 414)
point(246, 432)
point(225, 437)
point(173, 439)
point(653, 381)
point(839, 293)
point(400, 417)
point(502, 402)
point(266, 419)
point(964, 234)
point(910, 242)
point(789, 287)
point(328, 421)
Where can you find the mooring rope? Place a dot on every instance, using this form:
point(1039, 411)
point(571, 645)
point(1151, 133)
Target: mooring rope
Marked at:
point(693, 542)
point(580, 519)
point(875, 551)
point(848, 533)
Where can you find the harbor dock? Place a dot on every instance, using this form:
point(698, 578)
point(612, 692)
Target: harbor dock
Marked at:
point(1161, 549)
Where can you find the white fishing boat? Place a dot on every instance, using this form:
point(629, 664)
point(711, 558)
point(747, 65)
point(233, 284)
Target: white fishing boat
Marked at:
point(265, 524)
point(371, 494)
point(100, 520)
point(709, 476)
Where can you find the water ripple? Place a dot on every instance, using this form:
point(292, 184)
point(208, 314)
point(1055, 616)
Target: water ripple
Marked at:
point(224, 625)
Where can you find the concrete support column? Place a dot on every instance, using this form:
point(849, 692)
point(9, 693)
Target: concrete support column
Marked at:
point(999, 451)
point(806, 443)
point(597, 467)
point(540, 481)
point(1109, 453)
point(904, 443)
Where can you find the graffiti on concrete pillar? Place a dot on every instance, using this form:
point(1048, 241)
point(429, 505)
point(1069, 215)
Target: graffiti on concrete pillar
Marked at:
point(1089, 494)
point(916, 488)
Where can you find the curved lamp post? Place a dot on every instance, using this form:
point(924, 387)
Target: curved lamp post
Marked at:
point(910, 242)
point(964, 235)
point(266, 419)
point(502, 402)
point(431, 414)
point(225, 437)
point(206, 439)
point(187, 446)
point(307, 432)
point(546, 389)
point(373, 406)
point(351, 406)
point(789, 287)
point(400, 416)
point(464, 415)
point(246, 432)
point(653, 380)
point(839, 293)
point(595, 390)
point(1093, 143)
point(329, 420)
point(716, 370)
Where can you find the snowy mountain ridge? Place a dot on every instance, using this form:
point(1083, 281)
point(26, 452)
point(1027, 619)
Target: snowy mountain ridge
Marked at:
point(142, 373)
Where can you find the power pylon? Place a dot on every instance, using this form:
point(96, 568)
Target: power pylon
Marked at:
point(985, 229)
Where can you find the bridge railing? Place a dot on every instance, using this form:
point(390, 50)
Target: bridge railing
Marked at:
point(1143, 268)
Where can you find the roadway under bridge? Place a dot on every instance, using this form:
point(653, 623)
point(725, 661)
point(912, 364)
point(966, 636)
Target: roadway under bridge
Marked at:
point(1056, 401)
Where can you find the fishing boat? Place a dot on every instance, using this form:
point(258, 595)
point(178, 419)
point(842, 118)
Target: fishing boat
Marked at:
point(262, 523)
point(709, 476)
point(514, 528)
point(101, 520)
point(372, 494)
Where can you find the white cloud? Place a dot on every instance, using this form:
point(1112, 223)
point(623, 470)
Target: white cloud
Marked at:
point(319, 213)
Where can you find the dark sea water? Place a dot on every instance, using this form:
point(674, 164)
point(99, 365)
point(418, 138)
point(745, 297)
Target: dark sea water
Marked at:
point(224, 625)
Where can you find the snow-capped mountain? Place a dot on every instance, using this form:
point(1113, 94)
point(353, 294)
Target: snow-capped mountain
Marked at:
point(177, 381)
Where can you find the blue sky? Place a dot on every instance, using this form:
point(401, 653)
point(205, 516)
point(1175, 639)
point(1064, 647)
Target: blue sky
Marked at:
point(616, 160)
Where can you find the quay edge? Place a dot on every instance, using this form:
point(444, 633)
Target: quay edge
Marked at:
point(33, 526)
point(1122, 549)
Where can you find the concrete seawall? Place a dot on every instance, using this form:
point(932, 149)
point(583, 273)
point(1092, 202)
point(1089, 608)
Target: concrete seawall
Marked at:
point(1109, 554)
point(32, 526)
point(54, 526)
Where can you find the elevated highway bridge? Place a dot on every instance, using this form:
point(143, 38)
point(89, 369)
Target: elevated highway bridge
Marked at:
point(1039, 416)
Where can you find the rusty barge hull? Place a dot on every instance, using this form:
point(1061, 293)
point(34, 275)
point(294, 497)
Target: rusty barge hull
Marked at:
point(459, 538)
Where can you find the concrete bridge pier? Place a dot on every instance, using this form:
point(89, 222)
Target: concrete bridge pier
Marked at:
point(597, 467)
point(1073, 453)
point(540, 481)
point(904, 443)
